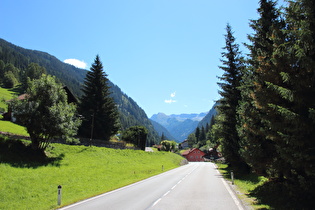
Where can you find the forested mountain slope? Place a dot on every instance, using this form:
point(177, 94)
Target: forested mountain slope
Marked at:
point(207, 119)
point(130, 113)
point(162, 130)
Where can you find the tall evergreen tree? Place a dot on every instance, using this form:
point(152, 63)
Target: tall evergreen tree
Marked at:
point(230, 95)
point(197, 134)
point(254, 113)
point(295, 114)
point(100, 115)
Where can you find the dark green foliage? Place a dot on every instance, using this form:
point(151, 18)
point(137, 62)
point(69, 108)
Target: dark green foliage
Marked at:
point(294, 119)
point(168, 146)
point(230, 96)
point(46, 113)
point(284, 195)
point(97, 107)
point(9, 80)
point(163, 137)
point(33, 71)
point(257, 145)
point(192, 140)
point(276, 113)
point(136, 135)
point(197, 133)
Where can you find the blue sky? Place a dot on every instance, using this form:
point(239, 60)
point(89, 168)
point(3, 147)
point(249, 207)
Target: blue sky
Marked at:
point(162, 53)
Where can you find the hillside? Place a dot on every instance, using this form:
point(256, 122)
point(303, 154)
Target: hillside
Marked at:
point(162, 130)
point(179, 126)
point(207, 118)
point(130, 113)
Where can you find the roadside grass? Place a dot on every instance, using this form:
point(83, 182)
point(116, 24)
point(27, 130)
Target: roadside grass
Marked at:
point(245, 184)
point(29, 181)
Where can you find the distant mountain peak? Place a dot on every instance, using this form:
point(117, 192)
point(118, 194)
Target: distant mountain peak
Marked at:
point(179, 125)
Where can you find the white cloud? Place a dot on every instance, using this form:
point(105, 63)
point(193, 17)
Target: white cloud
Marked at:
point(76, 63)
point(170, 101)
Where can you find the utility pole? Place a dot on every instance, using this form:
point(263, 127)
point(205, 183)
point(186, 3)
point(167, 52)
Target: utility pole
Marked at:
point(92, 129)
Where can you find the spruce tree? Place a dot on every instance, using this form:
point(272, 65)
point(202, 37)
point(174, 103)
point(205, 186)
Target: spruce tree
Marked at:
point(230, 95)
point(295, 120)
point(254, 113)
point(97, 107)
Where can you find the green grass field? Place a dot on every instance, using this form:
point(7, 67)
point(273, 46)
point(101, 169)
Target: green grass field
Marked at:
point(10, 127)
point(6, 94)
point(82, 171)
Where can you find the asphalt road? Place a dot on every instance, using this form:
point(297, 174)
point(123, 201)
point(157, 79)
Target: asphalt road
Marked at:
point(193, 186)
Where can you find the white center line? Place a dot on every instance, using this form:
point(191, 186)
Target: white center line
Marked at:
point(174, 186)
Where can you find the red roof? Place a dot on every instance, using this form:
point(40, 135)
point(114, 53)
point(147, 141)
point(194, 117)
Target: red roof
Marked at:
point(22, 97)
point(187, 152)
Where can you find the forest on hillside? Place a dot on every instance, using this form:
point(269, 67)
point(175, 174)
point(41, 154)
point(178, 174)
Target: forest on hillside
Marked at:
point(17, 64)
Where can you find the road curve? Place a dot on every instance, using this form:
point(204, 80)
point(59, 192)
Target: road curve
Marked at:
point(193, 186)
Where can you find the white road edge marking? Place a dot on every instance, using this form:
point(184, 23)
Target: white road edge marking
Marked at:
point(157, 201)
point(235, 199)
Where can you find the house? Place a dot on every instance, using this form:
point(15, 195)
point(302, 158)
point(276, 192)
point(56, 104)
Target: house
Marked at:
point(8, 115)
point(194, 155)
point(184, 144)
point(213, 154)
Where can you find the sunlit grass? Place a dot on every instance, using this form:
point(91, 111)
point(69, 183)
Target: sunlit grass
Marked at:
point(6, 94)
point(245, 184)
point(81, 171)
point(10, 127)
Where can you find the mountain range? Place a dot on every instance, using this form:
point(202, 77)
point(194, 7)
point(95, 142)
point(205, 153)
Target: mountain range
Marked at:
point(176, 127)
point(130, 113)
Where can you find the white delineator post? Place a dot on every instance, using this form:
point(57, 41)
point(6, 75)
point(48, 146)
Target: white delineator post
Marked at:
point(59, 195)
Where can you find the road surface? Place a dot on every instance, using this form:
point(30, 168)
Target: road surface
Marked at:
point(193, 186)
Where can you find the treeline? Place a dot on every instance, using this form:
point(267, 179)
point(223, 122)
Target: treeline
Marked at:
point(203, 137)
point(266, 114)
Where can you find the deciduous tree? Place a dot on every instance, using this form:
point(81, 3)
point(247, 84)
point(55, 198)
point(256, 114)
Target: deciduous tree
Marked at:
point(46, 113)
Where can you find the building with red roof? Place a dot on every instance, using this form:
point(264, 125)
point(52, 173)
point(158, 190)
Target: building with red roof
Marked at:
point(194, 155)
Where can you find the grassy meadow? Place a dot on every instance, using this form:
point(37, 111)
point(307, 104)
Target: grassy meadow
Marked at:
point(10, 127)
point(29, 183)
point(6, 94)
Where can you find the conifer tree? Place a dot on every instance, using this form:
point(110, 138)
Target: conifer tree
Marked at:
point(295, 114)
point(254, 113)
point(100, 115)
point(230, 95)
